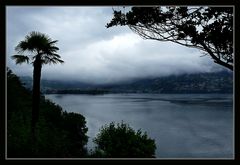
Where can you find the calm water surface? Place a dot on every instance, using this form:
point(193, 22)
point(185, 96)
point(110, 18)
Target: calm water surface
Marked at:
point(183, 125)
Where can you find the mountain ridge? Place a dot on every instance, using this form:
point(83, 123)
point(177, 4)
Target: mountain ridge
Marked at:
point(219, 82)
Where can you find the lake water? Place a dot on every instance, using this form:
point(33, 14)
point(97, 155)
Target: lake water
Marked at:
point(183, 125)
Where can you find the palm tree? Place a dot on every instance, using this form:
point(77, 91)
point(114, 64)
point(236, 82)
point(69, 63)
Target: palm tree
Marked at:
point(42, 50)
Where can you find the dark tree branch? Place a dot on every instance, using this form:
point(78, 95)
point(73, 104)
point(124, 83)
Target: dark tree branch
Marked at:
point(208, 29)
point(217, 60)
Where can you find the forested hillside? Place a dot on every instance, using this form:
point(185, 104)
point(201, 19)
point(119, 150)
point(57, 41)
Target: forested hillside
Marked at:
point(58, 133)
point(219, 82)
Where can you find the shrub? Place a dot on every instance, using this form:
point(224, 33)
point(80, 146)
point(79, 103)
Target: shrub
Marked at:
point(122, 141)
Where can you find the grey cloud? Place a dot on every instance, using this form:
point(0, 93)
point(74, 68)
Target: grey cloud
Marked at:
point(93, 53)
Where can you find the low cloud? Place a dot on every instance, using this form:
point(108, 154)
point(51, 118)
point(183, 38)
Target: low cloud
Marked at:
point(93, 53)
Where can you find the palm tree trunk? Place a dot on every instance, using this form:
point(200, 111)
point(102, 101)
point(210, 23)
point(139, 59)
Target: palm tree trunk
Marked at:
point(37, 66)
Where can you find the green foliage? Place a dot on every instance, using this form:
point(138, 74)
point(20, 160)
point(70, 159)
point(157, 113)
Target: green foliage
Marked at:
point(122, 141)
point(58, 133)
point(209, 29)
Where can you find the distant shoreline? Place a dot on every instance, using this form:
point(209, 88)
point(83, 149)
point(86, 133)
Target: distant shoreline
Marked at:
point(103, 93)
point(202, 83)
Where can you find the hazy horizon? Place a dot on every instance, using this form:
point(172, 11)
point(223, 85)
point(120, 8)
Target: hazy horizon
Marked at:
point(122, 81)
point(93, 53)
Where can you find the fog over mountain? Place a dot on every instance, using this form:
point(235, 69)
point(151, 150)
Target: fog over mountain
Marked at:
point(93, 53)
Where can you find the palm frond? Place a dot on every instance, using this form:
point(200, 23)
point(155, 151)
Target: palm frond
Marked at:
point(51, 55)
point(41, 45)
point(20, 59)
point(56, 55)
point(51, 60)
point(53, 48)
point(22, 46)
point(53, 42)
point(60, 61)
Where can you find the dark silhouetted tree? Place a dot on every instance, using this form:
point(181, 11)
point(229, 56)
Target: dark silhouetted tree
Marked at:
point(123, 142)
point(209, 29)
point(42, 50)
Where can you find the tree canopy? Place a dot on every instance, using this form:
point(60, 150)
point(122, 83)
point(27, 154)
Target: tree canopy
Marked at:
point(209, 29)
point(122, 141)
point(37, 44)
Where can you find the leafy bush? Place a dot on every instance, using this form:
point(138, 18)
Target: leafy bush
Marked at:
point(122, 141)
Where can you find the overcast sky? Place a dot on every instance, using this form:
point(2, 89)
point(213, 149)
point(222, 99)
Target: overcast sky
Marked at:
point(93, 53)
